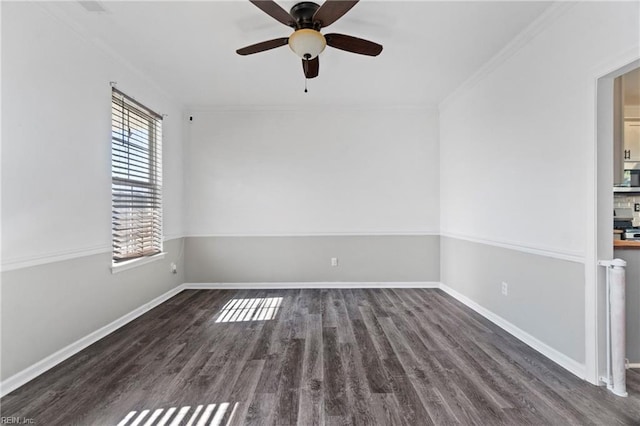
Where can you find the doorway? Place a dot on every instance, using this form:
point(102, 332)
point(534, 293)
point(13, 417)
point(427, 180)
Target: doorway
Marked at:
point(607, 137)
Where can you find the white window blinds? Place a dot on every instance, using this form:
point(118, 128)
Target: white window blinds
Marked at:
point(136, 179)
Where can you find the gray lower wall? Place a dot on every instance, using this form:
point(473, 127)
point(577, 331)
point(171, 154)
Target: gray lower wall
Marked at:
point(545, 295)
point(47, 307)
point(308, 259)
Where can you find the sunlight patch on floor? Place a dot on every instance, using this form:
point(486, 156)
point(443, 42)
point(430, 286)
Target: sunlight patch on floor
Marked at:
point(253, 309)
point(201, 415)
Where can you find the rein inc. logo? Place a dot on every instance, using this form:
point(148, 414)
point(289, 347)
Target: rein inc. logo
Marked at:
point(17, 421)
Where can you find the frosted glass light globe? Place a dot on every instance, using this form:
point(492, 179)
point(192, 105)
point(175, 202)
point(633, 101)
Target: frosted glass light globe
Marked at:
point(307, 43)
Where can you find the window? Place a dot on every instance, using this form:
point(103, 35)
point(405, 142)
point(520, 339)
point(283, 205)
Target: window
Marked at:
point(136, 179)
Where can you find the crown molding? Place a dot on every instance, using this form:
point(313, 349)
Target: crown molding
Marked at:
point(522, 39)
point(309, 107)
point(53, 9)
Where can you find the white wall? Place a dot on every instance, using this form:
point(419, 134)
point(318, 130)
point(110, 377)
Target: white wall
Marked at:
point(517, 145)
point(56, 116)
point(314, 172)
point(56, 190)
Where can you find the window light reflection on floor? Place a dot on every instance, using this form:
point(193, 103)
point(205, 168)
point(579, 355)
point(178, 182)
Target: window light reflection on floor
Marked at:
point(212, 414)
point(253, 309)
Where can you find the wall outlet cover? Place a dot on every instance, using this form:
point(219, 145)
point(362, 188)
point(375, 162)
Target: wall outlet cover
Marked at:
point(505, 288)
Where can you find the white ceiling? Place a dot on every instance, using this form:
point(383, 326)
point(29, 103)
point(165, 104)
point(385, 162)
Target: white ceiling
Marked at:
point(188, 48)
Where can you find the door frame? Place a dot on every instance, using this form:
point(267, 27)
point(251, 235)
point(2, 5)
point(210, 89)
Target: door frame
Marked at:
point(599, 241)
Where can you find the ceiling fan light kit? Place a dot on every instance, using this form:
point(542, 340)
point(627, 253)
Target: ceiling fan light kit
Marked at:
point(307, 43)
point(307, 19)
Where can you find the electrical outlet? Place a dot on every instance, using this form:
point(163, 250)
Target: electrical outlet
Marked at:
point(505, 288)
point(174, 268)
point(334, 261)
point(636, 207)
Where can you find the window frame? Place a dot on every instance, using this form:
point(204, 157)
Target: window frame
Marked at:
point(143, 176)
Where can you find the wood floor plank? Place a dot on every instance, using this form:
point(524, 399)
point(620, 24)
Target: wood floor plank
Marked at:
point(333, 372)
point(324, 356)
point(412, 411)
point(376, 376)
point(327, 309)
point(351, 304)
point(386, 409)
point(260, 411)
point(311, 404)
point(383, 347)
point(433, 402)
point(357, 387)
point(345, 333)
point(290, 384)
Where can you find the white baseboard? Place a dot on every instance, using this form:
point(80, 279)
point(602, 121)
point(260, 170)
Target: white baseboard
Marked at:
point(56, 358)
point(285, 285)
point(554, 355)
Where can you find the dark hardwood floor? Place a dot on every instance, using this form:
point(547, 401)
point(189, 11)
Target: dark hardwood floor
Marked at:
point(284, 357)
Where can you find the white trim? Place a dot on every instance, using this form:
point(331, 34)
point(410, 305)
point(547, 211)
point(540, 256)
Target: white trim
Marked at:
point(297, 284)
point(134, 263)
point(56, 358)
point(571, 256)
point(323, 234)
point(593, 318)
point(28, 261)
point(554, 355)
point(531, 31)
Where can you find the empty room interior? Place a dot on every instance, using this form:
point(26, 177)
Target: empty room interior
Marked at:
point(331, 212)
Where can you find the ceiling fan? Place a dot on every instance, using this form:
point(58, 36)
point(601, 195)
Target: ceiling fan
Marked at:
point(307, 19)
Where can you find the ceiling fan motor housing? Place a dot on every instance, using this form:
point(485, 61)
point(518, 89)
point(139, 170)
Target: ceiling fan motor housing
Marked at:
point(303, 14)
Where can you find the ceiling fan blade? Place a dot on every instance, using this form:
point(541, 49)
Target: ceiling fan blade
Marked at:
point(353, 44)
point(332, 10)
point(272, 9)
point(261, 47)
point(311, 67)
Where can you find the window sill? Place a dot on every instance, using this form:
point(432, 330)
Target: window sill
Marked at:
point(130, 264)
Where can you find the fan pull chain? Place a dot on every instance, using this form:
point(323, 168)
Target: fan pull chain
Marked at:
point(306, 70)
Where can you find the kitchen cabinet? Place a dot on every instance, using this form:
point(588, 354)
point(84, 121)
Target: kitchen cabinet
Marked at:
point(631, 139)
